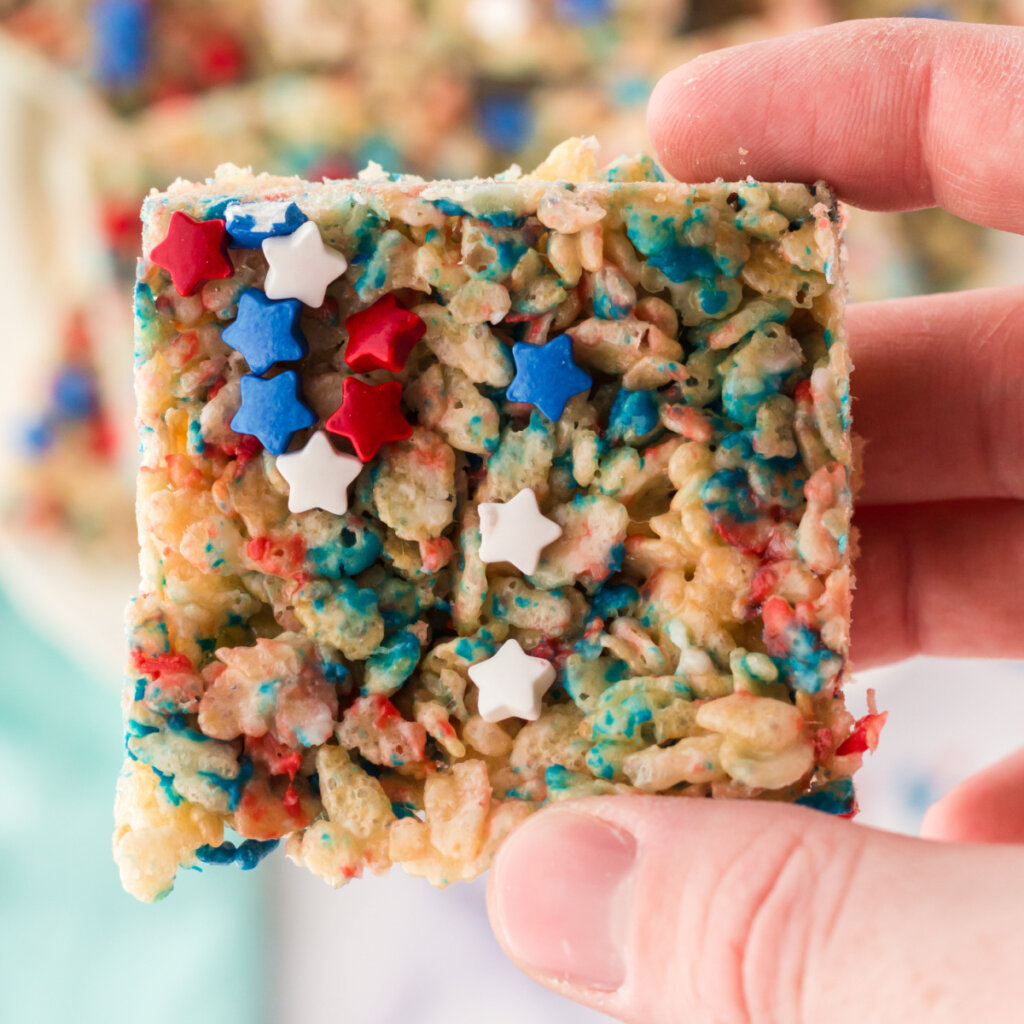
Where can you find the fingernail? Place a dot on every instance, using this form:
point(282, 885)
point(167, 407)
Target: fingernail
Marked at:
point(561, 898)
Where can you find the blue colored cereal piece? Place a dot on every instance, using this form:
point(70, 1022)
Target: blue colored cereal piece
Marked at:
point(836, 798)
point(392, 663)
point(246, 855)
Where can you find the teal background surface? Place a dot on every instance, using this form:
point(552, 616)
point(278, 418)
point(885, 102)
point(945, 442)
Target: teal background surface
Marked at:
point(74, 948)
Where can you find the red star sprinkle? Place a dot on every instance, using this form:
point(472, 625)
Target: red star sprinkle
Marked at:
point(193, 252)
point(369, 416)
point(382, 336)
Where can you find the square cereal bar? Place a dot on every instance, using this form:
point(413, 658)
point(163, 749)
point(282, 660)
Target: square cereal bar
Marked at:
point(459, 497)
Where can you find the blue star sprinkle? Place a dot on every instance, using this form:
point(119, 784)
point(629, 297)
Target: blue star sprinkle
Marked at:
point(272, 411)
point(546, 375)
point(266, 331)
point(250, 223)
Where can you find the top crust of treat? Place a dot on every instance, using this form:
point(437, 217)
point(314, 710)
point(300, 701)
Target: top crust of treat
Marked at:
point(477, 197)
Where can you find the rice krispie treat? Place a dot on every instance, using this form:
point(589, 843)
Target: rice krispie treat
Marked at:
point(460, 497)
point(66, 485)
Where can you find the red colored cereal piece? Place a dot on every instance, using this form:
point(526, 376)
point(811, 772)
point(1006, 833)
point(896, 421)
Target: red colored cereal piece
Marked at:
point(864, 736)
point(277, 556)
point(171, 680)
point(271, 808)
point(278, 757)
point(436, 553)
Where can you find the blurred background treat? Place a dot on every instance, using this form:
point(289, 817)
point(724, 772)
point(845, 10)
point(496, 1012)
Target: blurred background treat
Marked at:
point(101, 100)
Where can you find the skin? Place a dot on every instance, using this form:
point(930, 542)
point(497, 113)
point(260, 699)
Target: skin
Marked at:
point(697, 911)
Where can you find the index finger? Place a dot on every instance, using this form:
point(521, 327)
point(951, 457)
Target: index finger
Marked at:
point(895, 114)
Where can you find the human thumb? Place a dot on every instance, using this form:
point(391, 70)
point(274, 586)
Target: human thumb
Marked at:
point(726, 912)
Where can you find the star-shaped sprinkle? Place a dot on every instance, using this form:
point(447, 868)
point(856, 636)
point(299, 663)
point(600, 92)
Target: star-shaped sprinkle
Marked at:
point(318, 476)
point(271, 410)
point(301, 266)
point(369, 416)
point(382, 336)
point(515, 531)
point(251, 224)
point(511, 683)
point(193, 252)
point(266, 331)
point(546, 376)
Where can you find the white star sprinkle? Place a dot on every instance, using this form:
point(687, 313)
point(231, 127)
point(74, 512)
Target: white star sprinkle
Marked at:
point(515, 531)
point(511, 683)
point(301, 266)
point(318, 476)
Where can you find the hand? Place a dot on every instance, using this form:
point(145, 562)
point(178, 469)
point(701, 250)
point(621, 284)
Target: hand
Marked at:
point(702, 912)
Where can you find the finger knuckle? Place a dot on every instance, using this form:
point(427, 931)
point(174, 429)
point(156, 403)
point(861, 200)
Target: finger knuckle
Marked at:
point(769, 916)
